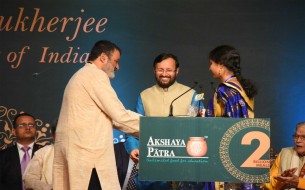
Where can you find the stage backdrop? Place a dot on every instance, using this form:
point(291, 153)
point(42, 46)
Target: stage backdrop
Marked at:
point(43, 43)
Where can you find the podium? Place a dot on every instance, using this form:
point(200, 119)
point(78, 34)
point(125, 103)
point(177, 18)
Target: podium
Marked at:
point(204, 149)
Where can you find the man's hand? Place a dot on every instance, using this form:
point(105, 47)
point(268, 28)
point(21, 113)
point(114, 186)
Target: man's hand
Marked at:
point(289, 172)
point(288, 177)
point(291, 181)
point(134, 155)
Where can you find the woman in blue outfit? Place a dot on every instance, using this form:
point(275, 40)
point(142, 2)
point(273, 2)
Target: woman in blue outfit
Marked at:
point(234, 96)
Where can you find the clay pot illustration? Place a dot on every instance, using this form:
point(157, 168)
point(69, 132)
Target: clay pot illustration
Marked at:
point(196, 147)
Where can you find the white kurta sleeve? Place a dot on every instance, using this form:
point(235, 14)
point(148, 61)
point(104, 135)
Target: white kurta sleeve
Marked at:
point(33, 173)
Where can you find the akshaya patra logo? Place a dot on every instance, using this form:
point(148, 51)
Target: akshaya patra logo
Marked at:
point(177, 150)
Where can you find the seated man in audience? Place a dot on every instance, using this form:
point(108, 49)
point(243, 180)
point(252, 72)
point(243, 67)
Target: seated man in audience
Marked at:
point(38, 174)
point(14, 159)
point(289, 167)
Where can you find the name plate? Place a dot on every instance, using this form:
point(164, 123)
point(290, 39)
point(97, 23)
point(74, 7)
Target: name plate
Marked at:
point(204, 149)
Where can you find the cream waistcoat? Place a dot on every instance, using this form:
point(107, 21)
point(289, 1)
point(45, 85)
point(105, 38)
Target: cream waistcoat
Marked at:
point(157, 102)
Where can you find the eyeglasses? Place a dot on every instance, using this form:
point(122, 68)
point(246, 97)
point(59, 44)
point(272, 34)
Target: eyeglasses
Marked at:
point(26, 124)
point(296, 137)
point(166, 71)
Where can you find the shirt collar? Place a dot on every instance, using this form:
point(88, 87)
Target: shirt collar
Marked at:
point(20, 145)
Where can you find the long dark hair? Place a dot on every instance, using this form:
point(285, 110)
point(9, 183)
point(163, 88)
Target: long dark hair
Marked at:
point(230, 58)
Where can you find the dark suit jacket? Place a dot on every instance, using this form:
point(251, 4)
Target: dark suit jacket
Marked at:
point(122, 161)
point(10, 169)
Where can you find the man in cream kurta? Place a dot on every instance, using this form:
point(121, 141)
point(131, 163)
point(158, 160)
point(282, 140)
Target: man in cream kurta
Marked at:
point(89, 109)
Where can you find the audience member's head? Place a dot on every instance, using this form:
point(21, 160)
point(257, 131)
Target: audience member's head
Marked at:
point(24, 128)
point(299, 138)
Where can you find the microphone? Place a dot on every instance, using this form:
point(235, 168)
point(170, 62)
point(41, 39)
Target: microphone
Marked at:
point(171, 105)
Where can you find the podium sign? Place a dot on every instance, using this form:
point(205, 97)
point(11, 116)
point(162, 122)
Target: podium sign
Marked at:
point(204, 149)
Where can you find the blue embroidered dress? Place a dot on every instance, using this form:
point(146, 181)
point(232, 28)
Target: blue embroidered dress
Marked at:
point(230, 101)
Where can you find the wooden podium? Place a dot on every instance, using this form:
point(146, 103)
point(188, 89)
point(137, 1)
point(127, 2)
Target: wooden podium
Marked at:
point(204, 149)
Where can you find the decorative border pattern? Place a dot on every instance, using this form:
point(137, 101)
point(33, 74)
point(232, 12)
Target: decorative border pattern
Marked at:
point(224, 149)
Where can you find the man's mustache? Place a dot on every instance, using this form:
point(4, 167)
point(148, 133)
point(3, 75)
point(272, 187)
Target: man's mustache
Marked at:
point(164, 77)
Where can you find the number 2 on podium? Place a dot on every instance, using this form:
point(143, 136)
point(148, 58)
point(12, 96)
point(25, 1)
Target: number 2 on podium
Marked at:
point(253, 161)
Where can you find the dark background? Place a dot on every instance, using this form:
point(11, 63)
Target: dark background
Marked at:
point(268, 34)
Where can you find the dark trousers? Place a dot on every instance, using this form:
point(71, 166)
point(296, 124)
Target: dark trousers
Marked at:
point(94, 183)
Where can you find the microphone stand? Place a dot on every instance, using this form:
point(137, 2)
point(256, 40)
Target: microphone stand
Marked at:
point(198, 111)
point(171, 105)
